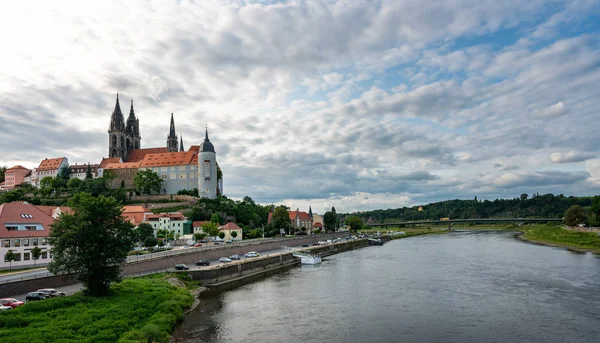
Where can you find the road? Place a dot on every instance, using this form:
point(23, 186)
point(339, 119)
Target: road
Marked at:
point(69, 290)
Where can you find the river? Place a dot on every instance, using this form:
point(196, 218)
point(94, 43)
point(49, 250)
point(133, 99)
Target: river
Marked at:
point(459, 287)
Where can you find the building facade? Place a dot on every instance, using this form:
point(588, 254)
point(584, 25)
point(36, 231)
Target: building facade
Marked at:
point(15, 176)
point(123, 137)
point(79, 171)
point(229, 229)
point(49, 167)
point(172, 221)
point(178, 170)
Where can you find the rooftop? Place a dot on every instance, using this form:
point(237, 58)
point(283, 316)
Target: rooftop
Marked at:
point(50, 164)
point(138, 154)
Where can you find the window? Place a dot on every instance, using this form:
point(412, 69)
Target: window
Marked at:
point(17, 243)
point(26, 242)
point(17, 257)
point(44, 241)
point(44, 254)
point(34, 241)
point(11, 228)
point(7, 243)
point(172, 176)
point(30, 227)
point(26, 256)
point(207, 168)
point(182, 175)
point(163, 169)
point(182, 167)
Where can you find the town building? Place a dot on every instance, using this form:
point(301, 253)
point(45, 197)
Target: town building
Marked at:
point(229, 229)
point(49, 167)
point(79, 171)
point(172, 221)
point(135, 214)
point(300, 222)
point(197, 226)
point(178, 170)
point(22, 227)
point(15, 176)
point(105, 161)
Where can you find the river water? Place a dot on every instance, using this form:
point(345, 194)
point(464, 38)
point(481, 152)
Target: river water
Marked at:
point(460, 287)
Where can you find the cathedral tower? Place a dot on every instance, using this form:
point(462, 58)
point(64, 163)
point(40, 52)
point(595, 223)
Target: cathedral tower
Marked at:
point(172, 138)
point(123, 138)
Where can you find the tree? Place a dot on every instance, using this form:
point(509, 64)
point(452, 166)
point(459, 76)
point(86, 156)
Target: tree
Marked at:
point(150, 241)
point(64, 174)
point(524, 196)
point(212, 229)
point(329, 220)
point(10, 257)
point(215, 218)
point(88, 173)
point(234, 234)
point(337, 222)
point(199, 236)
point(46, 185)
point(221, 235)
point(75, 185)
point(574, 215)
point(355, 223)
point(92, 242)
point(36, 253)
point(2, 172)
point(147, 181)
point(143, 231)
point(281, 218)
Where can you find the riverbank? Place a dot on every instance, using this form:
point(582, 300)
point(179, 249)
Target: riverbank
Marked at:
point(556, 236)
point(144, 309)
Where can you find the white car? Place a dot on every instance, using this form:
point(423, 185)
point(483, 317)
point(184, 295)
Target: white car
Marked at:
point(252, 254)
point(5, 308)
point(224, 259)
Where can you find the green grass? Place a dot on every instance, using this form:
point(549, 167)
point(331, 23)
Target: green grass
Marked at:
point(556, 235)
point(142, 309)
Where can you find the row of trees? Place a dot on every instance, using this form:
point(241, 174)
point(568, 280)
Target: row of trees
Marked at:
point(546, 206)
point(36, 253)
point(590, 216)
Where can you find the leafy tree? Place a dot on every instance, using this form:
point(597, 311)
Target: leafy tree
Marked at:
point(212, 229)
point(221, 235)
point(162, 233)
point(337, 222)
point(10, 257)
point(46, 185)
point(147, 181)
point(64, 174)
point(234, 234)
point(88, 173)
point(199, 236)
point(329, 220)
point(524, 196)
point(75, 185)
point(2, 173)
point(150, 241)
point(143, 231)
point(355, 223)
point(216, 218)
point(280, 219)
point(92, 242)
point(36, 253)
point(574, 215)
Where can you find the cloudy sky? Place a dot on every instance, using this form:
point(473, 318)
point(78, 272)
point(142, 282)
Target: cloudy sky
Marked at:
point(353, 104)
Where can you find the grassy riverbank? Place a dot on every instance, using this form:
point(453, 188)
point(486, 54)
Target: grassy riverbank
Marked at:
point(408, 232)
point(555, 235)
point(143, 309)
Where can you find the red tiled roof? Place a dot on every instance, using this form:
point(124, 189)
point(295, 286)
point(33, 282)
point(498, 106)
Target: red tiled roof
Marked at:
point(135, 214)
point(20, 213)
point(172, 215)
point(229, 226)
point(199, 223)
point(16, 168)
point(303, 215)
point(168, 159)
point(126, 165)
point(138, 154)
point(317, 225)
point(49, 210)
point(50, 164)
point(195, 148)
point(93, 166)
point(106, 161)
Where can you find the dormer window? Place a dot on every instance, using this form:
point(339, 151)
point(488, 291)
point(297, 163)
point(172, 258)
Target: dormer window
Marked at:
point(26, 216)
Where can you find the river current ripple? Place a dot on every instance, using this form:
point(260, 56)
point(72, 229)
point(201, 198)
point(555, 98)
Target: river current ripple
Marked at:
point(459, 287)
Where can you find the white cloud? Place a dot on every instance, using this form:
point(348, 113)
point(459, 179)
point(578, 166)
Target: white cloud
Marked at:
point(571, 157)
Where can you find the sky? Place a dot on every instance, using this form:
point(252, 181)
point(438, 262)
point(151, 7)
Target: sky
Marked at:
point(354, 104)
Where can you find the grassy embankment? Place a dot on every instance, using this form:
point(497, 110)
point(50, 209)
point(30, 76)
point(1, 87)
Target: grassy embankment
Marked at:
point(143, 309)
point(555, 235)
point(408, 232)
point(19, 270)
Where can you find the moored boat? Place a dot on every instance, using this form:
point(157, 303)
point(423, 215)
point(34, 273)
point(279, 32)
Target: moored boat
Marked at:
point(306, 258)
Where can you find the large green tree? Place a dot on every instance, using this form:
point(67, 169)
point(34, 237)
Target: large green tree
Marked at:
point(575, 215)
point(329, 219)
point(212, 229)
point(355, 223)
point(2, 172)
point(88, 173)
point(281, 218)
point(92, 242)
point(143, 231)
point(147, 181)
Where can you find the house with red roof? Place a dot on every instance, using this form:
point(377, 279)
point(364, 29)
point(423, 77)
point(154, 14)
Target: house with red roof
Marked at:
point(197, 226)
point(49, 167)
point(135, 214)
point(299, 221)
point(79, 171)
point(229, 229)
point(15, 176)
point(172, 221)
point(22, 227)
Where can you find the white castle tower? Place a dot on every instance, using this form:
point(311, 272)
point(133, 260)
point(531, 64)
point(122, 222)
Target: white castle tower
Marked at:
point(207, 170)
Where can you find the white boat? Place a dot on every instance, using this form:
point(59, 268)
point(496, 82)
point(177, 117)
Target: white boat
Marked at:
point(306, 258)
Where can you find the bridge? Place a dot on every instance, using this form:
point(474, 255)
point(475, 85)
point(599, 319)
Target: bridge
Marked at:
point(468, 221)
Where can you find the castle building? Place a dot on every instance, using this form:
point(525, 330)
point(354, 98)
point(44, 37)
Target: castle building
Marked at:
point(208, 172)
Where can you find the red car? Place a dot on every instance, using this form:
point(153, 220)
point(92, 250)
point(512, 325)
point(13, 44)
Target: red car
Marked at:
point(197, 245)
point(12, 302)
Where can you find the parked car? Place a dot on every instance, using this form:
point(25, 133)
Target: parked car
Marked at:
point(51, 292)
point(224, 259)
point(252, 254)
point(31, 296)
point(12, 302)
point(198, 244)
point(216, 243)
point(4, 308)
point(229, 241)
point(181, 267)
point(305, 245)
point(235, 257)
point(203, 263)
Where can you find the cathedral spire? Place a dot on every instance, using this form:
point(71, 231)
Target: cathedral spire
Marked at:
point(116, 120)
point(181, 143)
point(131, 121)
point(206, 136)
point(310, 211)
point(172, 129)
point(172, 138)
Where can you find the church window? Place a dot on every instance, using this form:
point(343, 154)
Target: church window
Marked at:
point(182, 175)
point(206, 168)
point(172, 176)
